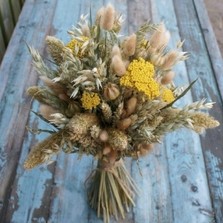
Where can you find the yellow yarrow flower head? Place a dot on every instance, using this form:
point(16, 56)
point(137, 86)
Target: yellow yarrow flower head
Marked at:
point(90, 100)
point(77, 44)
point(140, 76)
point(167, 95)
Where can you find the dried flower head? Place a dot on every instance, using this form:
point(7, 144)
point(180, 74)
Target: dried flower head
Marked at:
point(90, 100)
point(118, 65)
point(107, 17)
point(140, 76)
point(129, 45)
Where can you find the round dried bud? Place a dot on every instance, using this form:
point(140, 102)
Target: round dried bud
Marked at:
point(144, 148)
point(124, 123)
point(117, 139)
point(111, 91)
point(103, 136)
point(167, 78)
point(131, 105)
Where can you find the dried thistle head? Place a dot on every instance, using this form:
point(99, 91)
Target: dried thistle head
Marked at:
point(81, 123)
point(117, 139)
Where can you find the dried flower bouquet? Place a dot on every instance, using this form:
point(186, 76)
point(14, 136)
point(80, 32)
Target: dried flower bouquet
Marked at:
point(111, 97)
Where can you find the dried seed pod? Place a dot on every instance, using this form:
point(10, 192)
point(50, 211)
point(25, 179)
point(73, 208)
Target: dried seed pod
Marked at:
point(81, 123)
point(111, 91)
point(73, 108)
point(131, 106)
point(118, 65)
point(170, 59)
point(144, 148)
point(85, 30)
point(129, 45)
point(124, 123)
point(55, 47)
point(157, 59)
point(99, 14)
point(167, 78)
point(107, 18)
point(160, 37)
point(103, 136)
point(116, 51)
point(117, 139)
point(106, 111)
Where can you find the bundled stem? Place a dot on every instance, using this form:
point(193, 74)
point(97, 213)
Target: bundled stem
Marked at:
point(111, 190)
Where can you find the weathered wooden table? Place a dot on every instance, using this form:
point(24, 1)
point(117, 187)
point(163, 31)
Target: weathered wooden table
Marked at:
point(183, 177)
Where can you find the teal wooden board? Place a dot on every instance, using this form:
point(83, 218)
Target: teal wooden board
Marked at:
point(181, 179)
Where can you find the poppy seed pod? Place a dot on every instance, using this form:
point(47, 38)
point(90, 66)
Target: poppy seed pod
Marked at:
point(111, 92)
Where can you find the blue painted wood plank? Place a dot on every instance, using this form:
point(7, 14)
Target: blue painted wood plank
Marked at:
point(17, 75)
point(200, 65)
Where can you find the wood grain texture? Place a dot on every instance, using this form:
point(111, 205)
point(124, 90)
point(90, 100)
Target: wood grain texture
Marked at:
point(175, 186)
point(200, 66)
point(16, 78)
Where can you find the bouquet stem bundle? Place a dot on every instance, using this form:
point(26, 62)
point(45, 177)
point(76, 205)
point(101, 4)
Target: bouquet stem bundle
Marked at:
point(111, 190)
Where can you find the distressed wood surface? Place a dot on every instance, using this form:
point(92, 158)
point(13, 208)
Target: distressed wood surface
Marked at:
point(182, 179)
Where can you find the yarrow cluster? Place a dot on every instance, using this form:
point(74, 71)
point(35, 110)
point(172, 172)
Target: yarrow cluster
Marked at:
point(111, 97)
